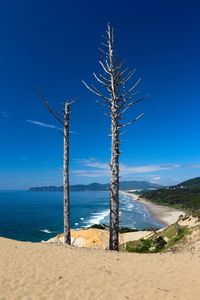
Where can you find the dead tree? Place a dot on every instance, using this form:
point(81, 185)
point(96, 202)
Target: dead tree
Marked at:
point(64, 121)
point(66, 186)
point(118, 100)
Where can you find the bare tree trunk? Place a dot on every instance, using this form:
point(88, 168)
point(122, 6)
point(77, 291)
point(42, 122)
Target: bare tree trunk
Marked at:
point(65, 125)
point(114, 184)
point(67, 235)
point(114, 189)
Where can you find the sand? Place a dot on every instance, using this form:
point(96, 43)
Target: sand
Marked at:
point(164, 214)
point(96, 238)
point(50, 271)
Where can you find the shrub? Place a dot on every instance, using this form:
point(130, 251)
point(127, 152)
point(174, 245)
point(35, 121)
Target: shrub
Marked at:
point(159, 243)
point(127, 229)
point(99, 226)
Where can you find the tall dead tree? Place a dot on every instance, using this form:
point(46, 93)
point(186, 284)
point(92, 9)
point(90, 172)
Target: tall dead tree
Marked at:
point(65, 122)
point(118, 100)
point(66, 186)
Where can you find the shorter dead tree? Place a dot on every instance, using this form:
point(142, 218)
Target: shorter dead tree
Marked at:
point(65, 122)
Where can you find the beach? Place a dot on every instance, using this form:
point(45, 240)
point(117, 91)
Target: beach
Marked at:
point(49, 271)
point(88, 272)
point(164, 214)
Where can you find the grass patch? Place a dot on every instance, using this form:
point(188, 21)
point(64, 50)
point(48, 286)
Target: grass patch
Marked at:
point(121, 229)
point(159, 242)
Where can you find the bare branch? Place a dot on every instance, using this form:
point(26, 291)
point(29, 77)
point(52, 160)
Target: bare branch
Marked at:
point(130, 74)
point(124, 95)
point(103, 51)
point(131, 122)
point(108, 67)
point(103, 104)
point(95, 91)
point(132, 95)
point(91, 90)
point(103, 44)
point(121, 133)
point(105, 69)
point(131, 104)
point(72, 102)
point(45, 102)
point(134, 86)
point(104, 78)
point(124, 71)
point(100, 93)
point(104, 37)
point(99, 80)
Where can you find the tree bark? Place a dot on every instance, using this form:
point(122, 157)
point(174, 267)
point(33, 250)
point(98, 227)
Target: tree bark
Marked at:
point(67, 235)
point(114, 189)
point(114, 184)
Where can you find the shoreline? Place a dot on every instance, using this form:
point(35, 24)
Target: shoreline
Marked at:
point(164, 214)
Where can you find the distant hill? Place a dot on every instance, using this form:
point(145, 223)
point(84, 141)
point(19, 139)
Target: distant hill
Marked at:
point(194, 182)
point(185, 195)
point(124, 185)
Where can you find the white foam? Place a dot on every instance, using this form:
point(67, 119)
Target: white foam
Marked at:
point(98, 217)
point(81, 219)
point(76, 224)
point(46, 230)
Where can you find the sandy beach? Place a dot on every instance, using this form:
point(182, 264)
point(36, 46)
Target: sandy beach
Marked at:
point(164, 214)
point(95, 238)
point(49, 271)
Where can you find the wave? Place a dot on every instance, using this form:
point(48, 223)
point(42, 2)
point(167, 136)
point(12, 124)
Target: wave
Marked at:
point(96, 218)
point(46, 230)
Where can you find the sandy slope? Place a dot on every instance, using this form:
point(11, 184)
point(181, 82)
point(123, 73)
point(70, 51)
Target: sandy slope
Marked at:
point(47, 271)
point(96, 238)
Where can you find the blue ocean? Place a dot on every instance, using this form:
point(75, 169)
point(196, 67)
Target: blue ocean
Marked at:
point(37, 216)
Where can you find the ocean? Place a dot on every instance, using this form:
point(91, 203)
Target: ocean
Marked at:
point(37, 216)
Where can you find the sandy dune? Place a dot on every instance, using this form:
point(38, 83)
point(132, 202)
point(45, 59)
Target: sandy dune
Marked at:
point(96, 238)
point(49, 271)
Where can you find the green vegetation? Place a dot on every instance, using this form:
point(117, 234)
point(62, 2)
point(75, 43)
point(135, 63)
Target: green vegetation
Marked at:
point(159, 242)
point(121, 229)
point(194, 182)
point(98, 226)
point(126, 229)
point(185, 195)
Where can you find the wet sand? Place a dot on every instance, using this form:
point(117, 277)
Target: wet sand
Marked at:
point(164, 214)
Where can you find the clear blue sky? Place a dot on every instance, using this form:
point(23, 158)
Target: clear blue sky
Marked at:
point(55, 44)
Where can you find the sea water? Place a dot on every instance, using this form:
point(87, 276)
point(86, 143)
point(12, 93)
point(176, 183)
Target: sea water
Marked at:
point(37, 216)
